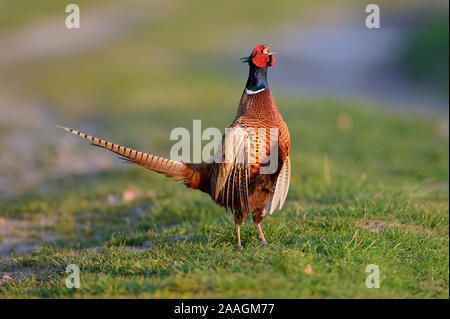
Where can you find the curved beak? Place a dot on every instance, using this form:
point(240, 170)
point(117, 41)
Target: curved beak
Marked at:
point(267, 48)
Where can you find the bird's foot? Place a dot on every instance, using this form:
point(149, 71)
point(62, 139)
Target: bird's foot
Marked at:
point(264, 241)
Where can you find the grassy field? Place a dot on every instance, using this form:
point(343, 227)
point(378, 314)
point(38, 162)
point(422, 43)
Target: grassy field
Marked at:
point(368, 186)
point(386, 188)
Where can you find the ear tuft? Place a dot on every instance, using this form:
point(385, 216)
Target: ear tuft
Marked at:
point(245, 60)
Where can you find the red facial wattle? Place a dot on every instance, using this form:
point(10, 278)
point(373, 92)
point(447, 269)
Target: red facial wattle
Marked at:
point(261, 59)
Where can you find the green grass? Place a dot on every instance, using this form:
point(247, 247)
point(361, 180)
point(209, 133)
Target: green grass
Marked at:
point(173, 242)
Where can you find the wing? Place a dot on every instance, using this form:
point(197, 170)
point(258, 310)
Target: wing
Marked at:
point(231, 173)
point(281, 188)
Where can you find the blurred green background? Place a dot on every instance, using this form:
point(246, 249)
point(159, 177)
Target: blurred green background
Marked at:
point(367, 112)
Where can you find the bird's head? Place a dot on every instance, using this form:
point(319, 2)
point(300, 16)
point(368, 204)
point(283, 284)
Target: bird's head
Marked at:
point(260, 57)
point(259, 61)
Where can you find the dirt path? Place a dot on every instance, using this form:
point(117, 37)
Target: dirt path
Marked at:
point(31, 150)
point(51, 38)
point(362, 64)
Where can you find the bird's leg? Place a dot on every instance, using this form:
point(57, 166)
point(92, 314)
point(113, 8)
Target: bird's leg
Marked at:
point(261, 235)
point(238, 235)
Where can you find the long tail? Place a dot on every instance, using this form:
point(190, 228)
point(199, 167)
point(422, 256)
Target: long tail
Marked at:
point(177, 170)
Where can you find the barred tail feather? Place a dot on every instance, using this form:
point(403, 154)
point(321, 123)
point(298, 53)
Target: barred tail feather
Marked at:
point(173, 169)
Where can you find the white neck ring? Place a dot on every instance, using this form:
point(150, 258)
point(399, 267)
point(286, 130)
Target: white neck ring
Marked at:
point(250, 92)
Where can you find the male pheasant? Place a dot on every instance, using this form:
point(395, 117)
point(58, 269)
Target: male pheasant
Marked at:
point(236, 179)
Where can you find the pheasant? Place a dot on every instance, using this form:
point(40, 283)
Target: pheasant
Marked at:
point(234, 177)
